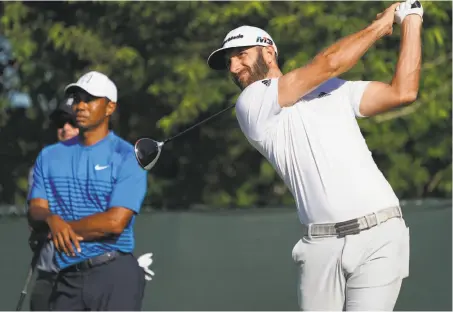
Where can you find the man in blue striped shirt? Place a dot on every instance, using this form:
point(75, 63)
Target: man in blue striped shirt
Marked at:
point(88, 190)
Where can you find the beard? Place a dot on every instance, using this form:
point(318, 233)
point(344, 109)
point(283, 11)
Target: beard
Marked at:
point(258, 71)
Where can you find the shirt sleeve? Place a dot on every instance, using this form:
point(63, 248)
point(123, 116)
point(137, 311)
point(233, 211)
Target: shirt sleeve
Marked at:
point(356, 90)
point(257, 108)
point(37, 188)
point(130, 188)
point(30, 178)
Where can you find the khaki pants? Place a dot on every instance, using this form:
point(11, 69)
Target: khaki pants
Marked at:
point(360, 272)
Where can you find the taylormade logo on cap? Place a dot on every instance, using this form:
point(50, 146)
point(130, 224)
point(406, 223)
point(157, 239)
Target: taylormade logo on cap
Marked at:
point(232, 38)
point(96, 84)
point(243, 36)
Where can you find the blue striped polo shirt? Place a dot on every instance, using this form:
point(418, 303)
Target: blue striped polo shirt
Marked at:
point(79, 181)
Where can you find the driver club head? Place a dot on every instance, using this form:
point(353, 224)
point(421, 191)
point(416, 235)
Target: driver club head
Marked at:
point(147, 152)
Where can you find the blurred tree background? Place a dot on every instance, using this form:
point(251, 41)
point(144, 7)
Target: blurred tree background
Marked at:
point(156, 54)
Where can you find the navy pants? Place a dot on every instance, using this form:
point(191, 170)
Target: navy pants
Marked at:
point(112, 286)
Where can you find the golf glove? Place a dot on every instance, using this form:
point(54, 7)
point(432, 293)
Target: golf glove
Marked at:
point(407, 8)
point(36, 240)
point(145, 262)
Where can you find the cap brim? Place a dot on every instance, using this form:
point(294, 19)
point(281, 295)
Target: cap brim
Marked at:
point(217, 59)
point(73, 86)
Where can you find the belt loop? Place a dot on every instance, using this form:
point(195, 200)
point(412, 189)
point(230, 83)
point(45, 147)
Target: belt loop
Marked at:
point(309, 231)
point(376, 214)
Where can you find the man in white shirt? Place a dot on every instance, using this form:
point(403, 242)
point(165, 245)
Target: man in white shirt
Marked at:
point(354, 250)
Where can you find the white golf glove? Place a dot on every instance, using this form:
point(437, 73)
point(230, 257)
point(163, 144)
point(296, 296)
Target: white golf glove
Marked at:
point(407, 8)
point(145, 262)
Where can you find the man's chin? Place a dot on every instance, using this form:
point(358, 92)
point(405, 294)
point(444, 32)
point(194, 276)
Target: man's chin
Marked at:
point(242, 84)
point(83, 127)
point(245, 84)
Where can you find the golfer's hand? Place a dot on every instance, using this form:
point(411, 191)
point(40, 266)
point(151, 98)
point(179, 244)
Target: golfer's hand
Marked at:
point(409, 7)
point(64, 238)
point(387, 18)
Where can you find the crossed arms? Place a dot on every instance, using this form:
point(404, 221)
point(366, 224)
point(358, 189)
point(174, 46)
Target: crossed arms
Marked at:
point(96, 226)
point(112, 221)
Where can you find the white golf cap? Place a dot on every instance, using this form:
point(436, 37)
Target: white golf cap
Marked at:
point(243, 36)
point(96, 84)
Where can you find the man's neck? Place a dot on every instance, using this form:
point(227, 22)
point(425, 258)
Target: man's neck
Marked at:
point(93, 136)
point(274, 73)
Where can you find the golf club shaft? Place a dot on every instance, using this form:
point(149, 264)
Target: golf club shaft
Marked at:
point(31, 270)
point(21, 301)
point(197, 124)
point(23, 294)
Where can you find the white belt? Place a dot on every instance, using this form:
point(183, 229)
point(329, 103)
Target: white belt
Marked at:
point(353, 226)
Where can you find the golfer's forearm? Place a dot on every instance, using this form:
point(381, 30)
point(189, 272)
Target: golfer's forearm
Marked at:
point(37, 217)
point(329, 63)
point(38, 214)
point(345, 53)
point(407, 73)
point(96, 226)
point(88, 235)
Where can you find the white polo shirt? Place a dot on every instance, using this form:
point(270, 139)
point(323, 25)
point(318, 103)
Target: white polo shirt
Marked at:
point(317, 148)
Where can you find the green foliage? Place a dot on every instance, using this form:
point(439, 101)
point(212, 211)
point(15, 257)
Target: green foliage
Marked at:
point(156, 53)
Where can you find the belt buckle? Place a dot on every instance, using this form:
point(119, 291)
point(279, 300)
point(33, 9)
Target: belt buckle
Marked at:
point(350, 227)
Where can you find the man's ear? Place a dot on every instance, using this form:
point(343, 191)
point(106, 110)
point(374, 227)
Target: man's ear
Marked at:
point(111, 107)
point(268, 54)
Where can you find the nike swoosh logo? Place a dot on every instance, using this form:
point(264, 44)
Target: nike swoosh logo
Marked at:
point(98, 167)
